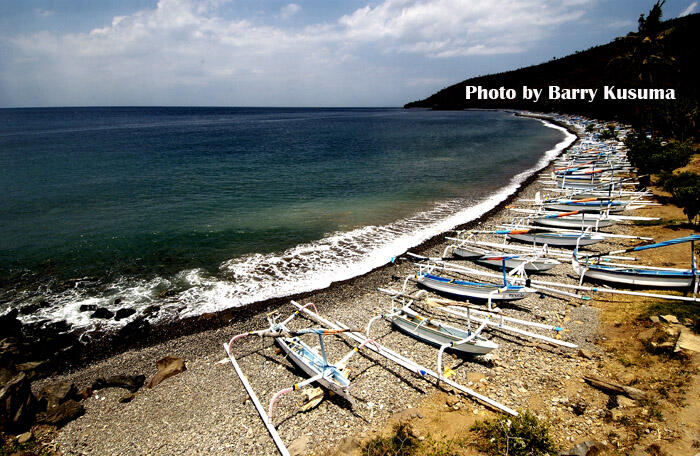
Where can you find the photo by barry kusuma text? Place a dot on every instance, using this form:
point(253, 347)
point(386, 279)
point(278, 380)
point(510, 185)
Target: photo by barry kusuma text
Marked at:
point(554, 92)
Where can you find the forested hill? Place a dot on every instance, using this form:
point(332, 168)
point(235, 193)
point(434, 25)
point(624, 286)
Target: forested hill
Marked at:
point(666, 58)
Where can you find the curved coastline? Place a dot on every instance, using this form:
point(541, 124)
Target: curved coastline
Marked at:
point(109, 344)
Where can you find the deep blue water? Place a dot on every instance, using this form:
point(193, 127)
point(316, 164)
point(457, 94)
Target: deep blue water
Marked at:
point(194, 200)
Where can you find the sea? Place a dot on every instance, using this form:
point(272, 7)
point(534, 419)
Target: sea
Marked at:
point(197, 210)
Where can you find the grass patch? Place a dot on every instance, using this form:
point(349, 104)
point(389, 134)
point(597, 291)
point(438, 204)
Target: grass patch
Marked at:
point(403, 442)
point(654, 222)
point(689, 310)
point(10, 446)
point(524, 435)
point(625, 361)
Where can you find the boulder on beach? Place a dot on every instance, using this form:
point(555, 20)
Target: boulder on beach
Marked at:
point(18, 406)
point(103, 313)
point(167, 367)
point(58, 393)
point(137, 327)
point(130, 382)
point(61, 414)
point(124, 313)
point(9, 324)
point(9, 352)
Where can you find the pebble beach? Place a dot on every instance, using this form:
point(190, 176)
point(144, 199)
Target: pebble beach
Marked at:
point(205, 409)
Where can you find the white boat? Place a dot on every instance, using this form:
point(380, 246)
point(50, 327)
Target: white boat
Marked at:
point(556, 239)
point(437, 333)
point(640, 276)
point(473, 290)
point(576, 220)
point(496, 259)
point(316, 365)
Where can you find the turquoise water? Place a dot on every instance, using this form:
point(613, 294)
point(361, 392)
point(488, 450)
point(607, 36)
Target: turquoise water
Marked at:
point(198, 209)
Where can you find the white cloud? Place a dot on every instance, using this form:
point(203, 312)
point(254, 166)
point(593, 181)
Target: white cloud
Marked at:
point(43, 13)
point(289, 10)
point(622, 24)
point(689, 10)
point(185, 48)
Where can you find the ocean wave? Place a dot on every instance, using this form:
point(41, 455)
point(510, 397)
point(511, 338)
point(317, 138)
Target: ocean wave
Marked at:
point(306, 267)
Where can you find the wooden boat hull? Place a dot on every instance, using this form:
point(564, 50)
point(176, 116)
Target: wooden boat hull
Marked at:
point(460, 290)
point(311, 363)
point(649, 278)
point(438, 334)
point(532, 266)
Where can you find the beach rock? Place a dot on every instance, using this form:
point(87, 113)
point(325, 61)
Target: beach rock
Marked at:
point(579, 407)
point(9, 352)
point(128, 397)
point(17, 404)
point(151, 310)
point(102, 313)
point(32, 367)
point(58, 393)
point(137, 327)
point(88, 307)
point(585, 354)
point(349, 445)
point(687, 341)
point(475, 377)
point(124, 313)
point(670, 319)
point(84, 393)
point(167, 367)
point(452, 400)
point(312, 397)
point(647, 334)
point(616, 414)
point(9, 324)
point(6, 374)
point(298, 445)
point(29, 309)
point(586, 448)
point(61, 414)
point(407, 414)
point(625, 402)
point(24, 438)
point(130, 382)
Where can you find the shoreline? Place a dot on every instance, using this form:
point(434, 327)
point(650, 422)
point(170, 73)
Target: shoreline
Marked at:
point(205, 409)
point(139, 335)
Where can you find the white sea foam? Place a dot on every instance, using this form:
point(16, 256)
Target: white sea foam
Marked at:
point(306, 267)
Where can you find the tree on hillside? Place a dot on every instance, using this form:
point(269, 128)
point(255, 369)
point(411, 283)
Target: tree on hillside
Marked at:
point(651, 25)
point(650, 62)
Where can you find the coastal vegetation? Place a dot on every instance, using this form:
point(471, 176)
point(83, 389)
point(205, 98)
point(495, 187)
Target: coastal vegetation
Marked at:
point(523, 435)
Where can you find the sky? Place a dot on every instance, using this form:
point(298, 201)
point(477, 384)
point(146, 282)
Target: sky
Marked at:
point(281, 53)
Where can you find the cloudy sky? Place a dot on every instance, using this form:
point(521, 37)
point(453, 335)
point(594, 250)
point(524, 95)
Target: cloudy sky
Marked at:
point(278, 53)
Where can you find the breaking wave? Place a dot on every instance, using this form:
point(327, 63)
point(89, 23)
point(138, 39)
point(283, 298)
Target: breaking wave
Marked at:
point(257, 277)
